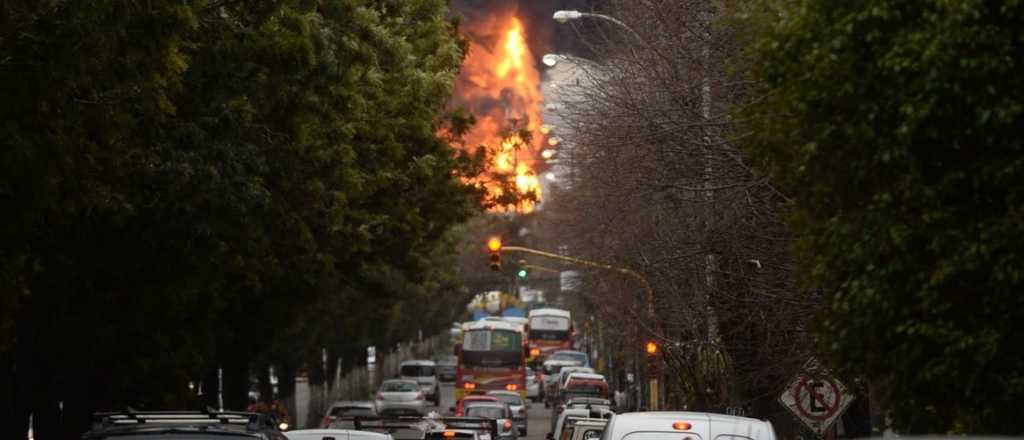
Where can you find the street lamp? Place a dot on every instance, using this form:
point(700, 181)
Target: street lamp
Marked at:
point(564, 17)
point(551, 59)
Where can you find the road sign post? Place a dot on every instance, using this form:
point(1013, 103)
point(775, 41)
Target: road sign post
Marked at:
point(817, 399)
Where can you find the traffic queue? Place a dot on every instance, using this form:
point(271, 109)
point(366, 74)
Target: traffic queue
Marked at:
point(498, 369)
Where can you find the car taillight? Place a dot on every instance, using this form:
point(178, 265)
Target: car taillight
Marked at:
point(522, 411)
point(380, 396)
point(535, 352)
point(511, 387)
point(469, 385)
point(681, 426)
point(508, 425)
point(326, 422)
point(419, 396)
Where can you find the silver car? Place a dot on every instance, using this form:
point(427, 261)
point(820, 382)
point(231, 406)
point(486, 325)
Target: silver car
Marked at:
point(400, 396)
point(498, 412)
point(518, 407)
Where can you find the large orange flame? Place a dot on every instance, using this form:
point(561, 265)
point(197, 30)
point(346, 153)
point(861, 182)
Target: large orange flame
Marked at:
point(500, 85)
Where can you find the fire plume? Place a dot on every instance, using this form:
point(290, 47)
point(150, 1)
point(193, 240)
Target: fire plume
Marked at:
point(499, 83)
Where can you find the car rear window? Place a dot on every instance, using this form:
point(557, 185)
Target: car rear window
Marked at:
point(487, 412)
point(510, 399)
point(417, 370)
point(399, 387)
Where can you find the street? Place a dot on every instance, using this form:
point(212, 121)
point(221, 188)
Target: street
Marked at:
point(539, 416)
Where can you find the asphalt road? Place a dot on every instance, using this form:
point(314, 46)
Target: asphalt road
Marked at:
point(539, 417)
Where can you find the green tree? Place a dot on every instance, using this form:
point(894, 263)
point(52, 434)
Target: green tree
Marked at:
point(196, 185)
point(894, 125)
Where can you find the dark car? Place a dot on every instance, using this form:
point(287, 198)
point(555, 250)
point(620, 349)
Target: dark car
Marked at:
point(446, 368)
point(184, 425)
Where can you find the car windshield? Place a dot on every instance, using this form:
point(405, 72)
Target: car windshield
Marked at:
point(487, 412)
point(417, 370)
point(399, 387)
point(570, 356)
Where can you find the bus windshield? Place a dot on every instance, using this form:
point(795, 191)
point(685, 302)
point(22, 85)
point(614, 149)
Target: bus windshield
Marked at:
point(549, 328)
point(492, 348)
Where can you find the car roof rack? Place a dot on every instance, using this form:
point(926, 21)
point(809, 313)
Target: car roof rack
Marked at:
point(130, 416)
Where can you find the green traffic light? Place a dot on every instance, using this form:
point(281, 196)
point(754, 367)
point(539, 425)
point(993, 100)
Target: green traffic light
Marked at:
point(522, 273)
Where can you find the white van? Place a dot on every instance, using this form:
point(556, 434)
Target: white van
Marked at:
point(682, 425)
point(425, 374)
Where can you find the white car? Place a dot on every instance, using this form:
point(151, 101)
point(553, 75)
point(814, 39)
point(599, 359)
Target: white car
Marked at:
point(500, 413)
point(425, 374)
point(676, 424)
point(563, 374)
point(571, 415)
point(533, 386)
point(399, 396)
point(587, 429)
point(336, 434)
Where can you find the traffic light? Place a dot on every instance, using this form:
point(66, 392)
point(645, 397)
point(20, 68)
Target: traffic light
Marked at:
point(522, 273)
point(651, 350)
point(494, 247)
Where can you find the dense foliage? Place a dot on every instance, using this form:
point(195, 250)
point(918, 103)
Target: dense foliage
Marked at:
point(896, 127)
point(187, 185)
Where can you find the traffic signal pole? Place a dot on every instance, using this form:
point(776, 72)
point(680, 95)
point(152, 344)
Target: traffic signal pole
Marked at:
point(648, 291)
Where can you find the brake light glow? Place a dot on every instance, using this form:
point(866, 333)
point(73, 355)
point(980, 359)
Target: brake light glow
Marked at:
point(508, 425)
point(535, 352)
point(469, 386)
point(681, 426)
point(449, 434)
point(419, 396)
point(511, 387)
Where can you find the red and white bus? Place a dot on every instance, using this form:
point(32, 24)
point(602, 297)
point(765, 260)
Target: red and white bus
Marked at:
point(547, 331)
point(492, 356)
